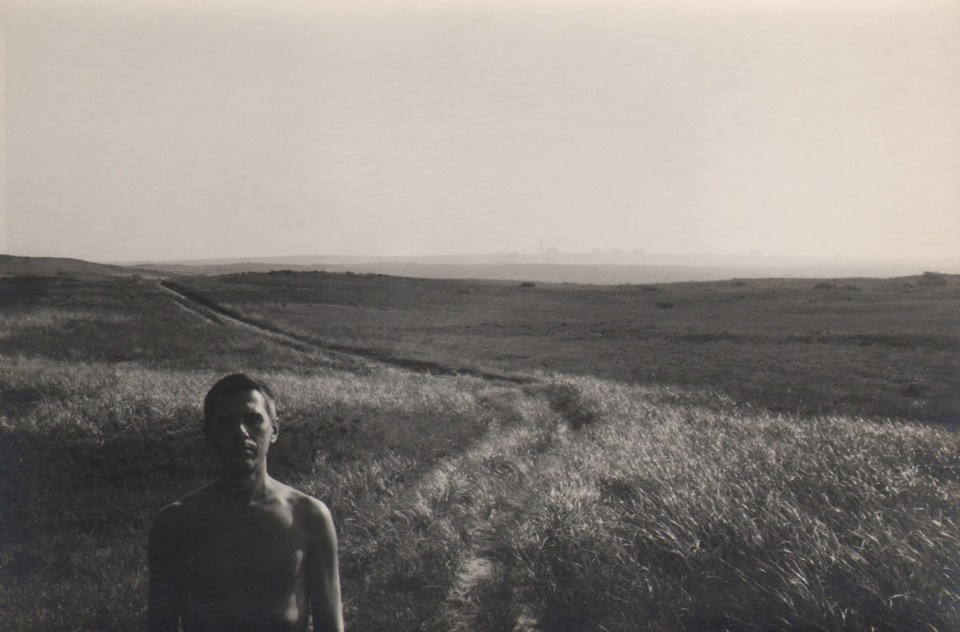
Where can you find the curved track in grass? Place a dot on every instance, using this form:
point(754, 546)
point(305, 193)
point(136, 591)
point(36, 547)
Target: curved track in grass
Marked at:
point(212, 311)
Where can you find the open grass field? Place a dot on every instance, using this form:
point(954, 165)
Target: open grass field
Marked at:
point(751, 455)
point(880, 347)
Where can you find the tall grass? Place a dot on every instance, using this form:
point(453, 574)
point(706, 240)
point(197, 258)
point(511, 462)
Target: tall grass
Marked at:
point(680, 516)
point(461, 504)
point(599, 506)
point(89, 453)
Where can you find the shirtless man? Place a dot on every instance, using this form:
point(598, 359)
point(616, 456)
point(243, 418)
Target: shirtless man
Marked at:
point(245, 552)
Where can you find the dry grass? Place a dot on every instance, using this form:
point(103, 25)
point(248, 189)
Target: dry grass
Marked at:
point(882, 347)
point(464, 505)
point(694, 517)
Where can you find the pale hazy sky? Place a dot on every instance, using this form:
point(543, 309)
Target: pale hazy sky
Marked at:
point(155, 129)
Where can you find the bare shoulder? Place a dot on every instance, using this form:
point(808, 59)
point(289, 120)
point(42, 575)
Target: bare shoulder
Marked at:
point(310, 513)
point(177, 515)
point(170, 517)
point(168, 527)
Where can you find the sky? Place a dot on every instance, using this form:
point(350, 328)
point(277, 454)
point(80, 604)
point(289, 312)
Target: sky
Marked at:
point(162, 130)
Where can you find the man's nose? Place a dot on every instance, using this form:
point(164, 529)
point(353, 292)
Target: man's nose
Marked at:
point(238, 428)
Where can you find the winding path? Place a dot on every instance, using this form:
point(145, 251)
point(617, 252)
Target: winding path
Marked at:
point(211, 311)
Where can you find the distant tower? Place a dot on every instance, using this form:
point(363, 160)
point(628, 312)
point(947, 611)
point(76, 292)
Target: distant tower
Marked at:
point(541, 245)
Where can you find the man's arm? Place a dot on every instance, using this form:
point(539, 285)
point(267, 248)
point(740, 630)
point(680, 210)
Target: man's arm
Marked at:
point(163, 598)
point(323, 574)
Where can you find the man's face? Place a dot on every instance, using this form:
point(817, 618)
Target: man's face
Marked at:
point(240, 431)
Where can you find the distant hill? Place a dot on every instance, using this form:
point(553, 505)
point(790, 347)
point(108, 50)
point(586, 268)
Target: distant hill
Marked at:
point(602, 268)
point(546, 268)
point(600, 274)
point(755, 261)
point(52, 266)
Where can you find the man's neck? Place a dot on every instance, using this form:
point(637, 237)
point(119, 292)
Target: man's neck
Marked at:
point(244, 487)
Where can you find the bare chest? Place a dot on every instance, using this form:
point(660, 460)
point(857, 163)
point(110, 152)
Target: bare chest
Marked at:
point(248, 556)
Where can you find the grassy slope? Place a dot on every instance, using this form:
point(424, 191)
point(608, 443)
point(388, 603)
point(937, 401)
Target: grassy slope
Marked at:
point(594, 503)
point(50, 266)
point(875, 347)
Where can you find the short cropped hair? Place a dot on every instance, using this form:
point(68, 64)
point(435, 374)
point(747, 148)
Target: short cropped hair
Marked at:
point(232, 385)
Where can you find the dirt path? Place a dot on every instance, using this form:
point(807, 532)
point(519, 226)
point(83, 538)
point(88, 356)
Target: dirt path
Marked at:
point(482, 575)
point(461, 601)
point(213, 312)
point(220, 317)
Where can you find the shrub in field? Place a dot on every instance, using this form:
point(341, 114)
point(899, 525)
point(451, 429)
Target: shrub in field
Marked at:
point(933, 278)
point(570, 401)
point(913, 388)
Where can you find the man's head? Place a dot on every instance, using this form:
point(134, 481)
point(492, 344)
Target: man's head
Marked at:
point(240, 421)
point(232, 385)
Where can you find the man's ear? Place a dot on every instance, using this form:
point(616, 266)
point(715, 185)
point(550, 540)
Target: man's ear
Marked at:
point(274, 430)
